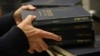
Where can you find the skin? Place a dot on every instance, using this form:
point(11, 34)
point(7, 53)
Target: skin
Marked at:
point(34, 35)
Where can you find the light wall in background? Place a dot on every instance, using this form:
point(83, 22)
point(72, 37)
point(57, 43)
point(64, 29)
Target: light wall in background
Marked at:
point(86, 4)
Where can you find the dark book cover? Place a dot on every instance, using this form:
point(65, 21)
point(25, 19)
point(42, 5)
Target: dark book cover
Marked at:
point(75, 33)
point(72, 43)
point(73, 38)
point(86, 51)
point(53, 3)
point(67, 27)
point(59, 15)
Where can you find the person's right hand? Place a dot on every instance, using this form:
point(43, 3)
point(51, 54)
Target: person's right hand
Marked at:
point(35, 36)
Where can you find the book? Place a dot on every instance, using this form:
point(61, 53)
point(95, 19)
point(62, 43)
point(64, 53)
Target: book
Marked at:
point(67, 27)
point(75, 33)
point(86, 51)
point(53, 3)
point(72, 43)
point(59, 15)
point(73, 38)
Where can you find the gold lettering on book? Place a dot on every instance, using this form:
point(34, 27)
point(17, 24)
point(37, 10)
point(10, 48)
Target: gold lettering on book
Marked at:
point(58, 43)
point(80, 26)
point(46, 12)
point(81, 18)
point(50, 13)
point(55, 29)
point(55, 21)
point(40, 13)
point(82, 35)
point(84, 41)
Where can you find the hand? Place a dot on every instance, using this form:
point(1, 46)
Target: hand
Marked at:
point(17, 14)
point(35, 36)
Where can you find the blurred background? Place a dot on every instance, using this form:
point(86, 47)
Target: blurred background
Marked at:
point(7, 6)
point(92, 6)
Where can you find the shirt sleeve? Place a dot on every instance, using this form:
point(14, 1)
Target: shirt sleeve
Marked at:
point(13, 42)
point(6, 23)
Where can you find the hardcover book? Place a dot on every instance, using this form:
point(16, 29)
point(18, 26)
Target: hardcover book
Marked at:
point(53, 3)
point(75, 34)
point(67, 27)
point(72, 43)
point(73, 38)
point(86, 51)
point(59, 15)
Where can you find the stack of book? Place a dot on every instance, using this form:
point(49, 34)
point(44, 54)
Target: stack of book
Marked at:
point(73, 23)
point(66, 18)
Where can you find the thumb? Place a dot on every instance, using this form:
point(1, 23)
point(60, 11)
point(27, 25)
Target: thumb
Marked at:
point(29, 19)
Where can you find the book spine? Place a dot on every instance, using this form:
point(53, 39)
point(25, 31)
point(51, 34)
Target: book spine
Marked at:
point(75, 33)
point(70, 42)
point(74, 38)
point(62, 21)
point(62, 27)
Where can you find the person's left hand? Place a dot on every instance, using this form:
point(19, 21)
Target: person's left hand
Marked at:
point(17, 14)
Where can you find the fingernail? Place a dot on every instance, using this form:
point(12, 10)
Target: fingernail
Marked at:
point(34, 8)
point(34, 16)
point(59, 38)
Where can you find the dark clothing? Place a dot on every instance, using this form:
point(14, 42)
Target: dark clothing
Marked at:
point(12, 39)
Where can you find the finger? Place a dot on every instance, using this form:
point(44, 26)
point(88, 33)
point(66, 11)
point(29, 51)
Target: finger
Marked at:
point(49, 35)
point(28, 7)
point(31, 47)
point(37, 47)
point(43, 45)
point(17, 13)
point(29, 19)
